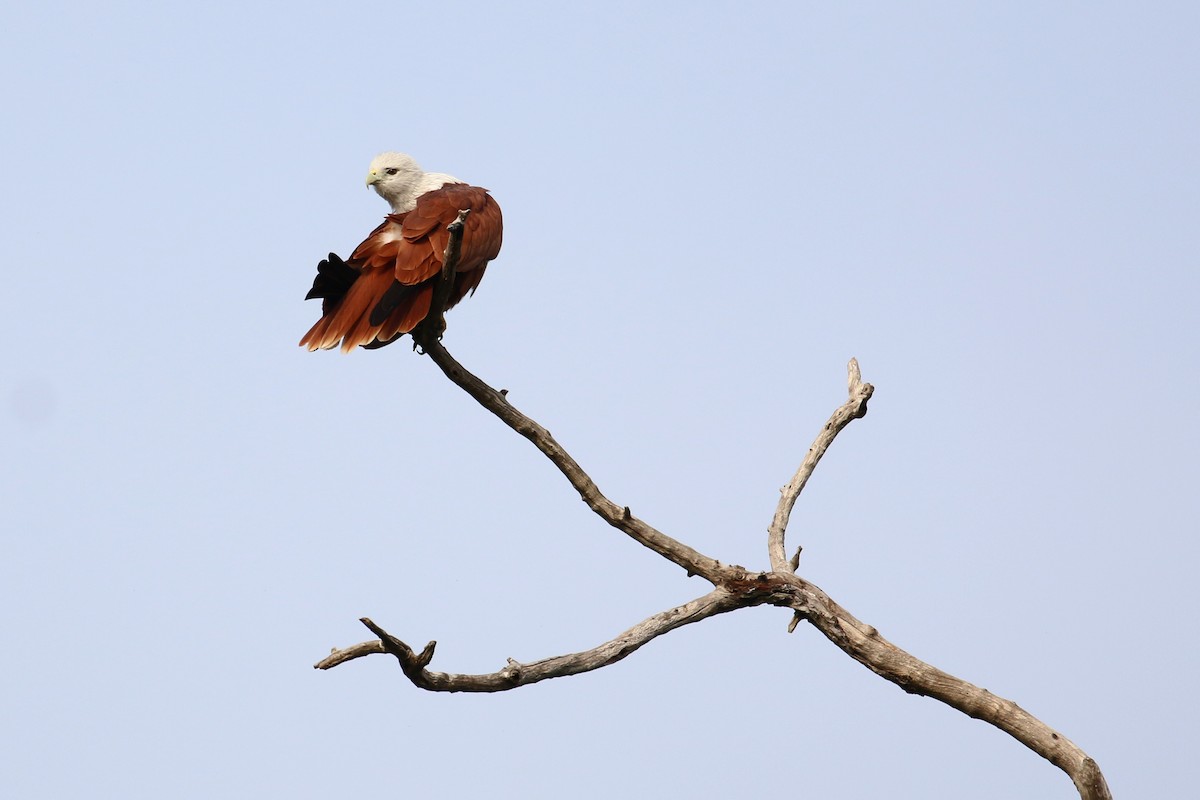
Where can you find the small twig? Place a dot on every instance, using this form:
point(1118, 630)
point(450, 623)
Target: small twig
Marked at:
point(434, 324)
point(344, 654)
point(852, 409)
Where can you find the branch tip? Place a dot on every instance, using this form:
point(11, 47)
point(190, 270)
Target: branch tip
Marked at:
point(456, 226)
point(854, 408)
point(433, 326)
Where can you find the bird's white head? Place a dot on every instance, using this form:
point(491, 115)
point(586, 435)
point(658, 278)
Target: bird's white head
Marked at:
point(398, 179)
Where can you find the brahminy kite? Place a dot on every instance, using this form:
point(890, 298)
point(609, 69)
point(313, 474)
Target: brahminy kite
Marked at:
point(385, 289)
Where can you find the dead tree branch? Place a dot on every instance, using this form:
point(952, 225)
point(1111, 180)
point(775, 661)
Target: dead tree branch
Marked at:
point(434, 324)
point(620, 517)
point(852, 409)
point(515, 674)
point(734, 587)
point(864, 644)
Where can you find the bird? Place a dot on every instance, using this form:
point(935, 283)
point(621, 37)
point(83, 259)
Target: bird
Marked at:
point(386, 288)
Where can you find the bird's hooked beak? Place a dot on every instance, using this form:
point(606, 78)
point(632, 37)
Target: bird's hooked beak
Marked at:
point(372, 178)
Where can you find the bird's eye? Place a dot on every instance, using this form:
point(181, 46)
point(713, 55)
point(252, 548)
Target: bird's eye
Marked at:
point(391, 170)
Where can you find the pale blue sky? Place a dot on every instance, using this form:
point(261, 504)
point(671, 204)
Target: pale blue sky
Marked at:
point(709, 208)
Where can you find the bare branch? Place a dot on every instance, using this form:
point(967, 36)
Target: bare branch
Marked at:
point(865, 645)
point(734, 588)
point(442, 289)
point(434, 324)
point(852, 409)
point(515, 674)
point(695, 562)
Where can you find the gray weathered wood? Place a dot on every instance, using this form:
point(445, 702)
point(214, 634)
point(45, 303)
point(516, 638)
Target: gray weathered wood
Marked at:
point(734, 587)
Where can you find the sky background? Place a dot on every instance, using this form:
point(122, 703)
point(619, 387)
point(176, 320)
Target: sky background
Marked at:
point(709, 209)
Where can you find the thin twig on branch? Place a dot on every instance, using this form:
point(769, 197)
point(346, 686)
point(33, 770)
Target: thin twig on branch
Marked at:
point(443, 288)
point(854, 408)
